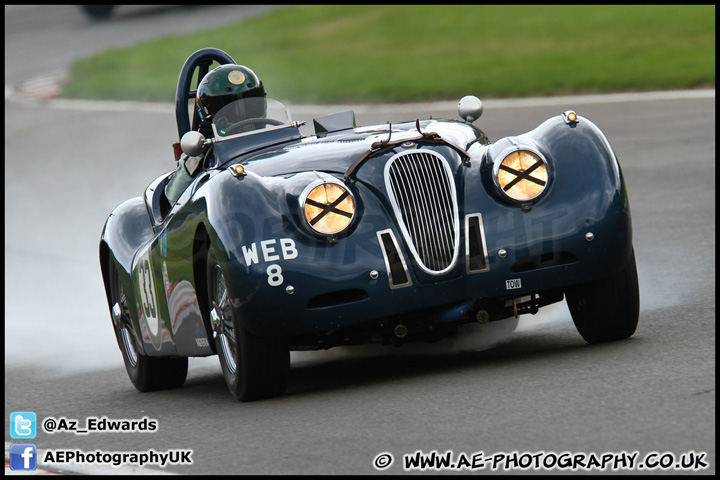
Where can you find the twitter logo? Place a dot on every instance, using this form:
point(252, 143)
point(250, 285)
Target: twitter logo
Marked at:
point(23, 425)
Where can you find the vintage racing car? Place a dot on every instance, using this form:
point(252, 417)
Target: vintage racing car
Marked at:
point(384, 233)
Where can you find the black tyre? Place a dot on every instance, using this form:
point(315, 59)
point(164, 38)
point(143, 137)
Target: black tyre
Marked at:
point(608, 309)
point(98, 12)
point(254, 367)
point(146, 373)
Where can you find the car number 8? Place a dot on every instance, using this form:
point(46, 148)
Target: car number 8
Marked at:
point(274, 273)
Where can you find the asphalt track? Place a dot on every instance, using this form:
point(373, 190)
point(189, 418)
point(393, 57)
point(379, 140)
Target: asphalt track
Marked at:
point(542, 389)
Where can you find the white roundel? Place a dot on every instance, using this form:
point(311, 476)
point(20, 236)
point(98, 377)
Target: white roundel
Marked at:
point(147, 295)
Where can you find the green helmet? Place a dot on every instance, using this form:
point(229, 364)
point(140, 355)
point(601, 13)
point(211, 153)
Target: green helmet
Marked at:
point(224, 85)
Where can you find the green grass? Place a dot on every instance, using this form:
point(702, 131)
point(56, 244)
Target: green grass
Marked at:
point(400, 53)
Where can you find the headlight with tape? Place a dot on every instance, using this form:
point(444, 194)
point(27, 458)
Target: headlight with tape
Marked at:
point(522, 175)
point(328, 207)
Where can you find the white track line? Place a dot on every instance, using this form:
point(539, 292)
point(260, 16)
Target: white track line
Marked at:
point(41, 93)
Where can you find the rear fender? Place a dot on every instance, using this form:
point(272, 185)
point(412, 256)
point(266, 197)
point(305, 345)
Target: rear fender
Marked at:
point(126, 230)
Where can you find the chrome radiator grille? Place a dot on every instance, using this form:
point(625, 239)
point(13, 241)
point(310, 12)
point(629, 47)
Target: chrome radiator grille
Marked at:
point(422, 192)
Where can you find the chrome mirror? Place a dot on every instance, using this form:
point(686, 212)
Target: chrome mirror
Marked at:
point(192, 143)
point(470, 108)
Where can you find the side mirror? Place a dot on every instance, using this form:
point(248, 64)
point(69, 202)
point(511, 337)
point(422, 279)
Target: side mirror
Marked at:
point(192, 143)
point(470, 108)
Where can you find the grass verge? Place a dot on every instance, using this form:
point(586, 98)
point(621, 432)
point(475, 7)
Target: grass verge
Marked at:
point(402, 53)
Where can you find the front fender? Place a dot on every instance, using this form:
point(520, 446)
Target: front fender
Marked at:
point(586, 198)
point(239, 211)
point(255, 227)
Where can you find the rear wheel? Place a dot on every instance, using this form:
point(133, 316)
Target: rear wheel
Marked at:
point(607, 309)
point(146, 373)
point(254, 367)
point(98, 12)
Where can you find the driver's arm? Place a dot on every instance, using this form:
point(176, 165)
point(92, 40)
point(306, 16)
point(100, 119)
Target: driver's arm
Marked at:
point(188, 167)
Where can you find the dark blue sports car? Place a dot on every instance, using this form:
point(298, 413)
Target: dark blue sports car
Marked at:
point(376, 234)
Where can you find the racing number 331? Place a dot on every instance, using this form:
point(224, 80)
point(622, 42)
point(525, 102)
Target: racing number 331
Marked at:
point(146, 289)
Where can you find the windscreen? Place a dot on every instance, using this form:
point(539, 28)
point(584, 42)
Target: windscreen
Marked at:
point(249, 115)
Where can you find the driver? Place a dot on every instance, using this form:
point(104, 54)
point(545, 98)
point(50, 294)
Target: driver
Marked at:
point(220, 87)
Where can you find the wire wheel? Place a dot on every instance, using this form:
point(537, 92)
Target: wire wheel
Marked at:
point(129, 346)
point(146, 373)
point(254, 367)
point(223, 311)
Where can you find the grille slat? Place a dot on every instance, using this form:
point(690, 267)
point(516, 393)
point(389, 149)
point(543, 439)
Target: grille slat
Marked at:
point(420, 205)
point(443, 194)
point(444, 245)
point(422, 192)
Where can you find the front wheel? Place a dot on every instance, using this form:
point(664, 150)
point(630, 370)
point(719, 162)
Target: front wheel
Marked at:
point(608, 309)
point(146, 373)
point(254, 367)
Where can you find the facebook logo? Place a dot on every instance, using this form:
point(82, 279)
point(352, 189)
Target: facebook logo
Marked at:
point(23, 456)
point(23, 425)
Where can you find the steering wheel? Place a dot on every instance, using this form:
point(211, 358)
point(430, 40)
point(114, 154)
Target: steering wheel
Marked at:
point(260, 122)
point(200, 60)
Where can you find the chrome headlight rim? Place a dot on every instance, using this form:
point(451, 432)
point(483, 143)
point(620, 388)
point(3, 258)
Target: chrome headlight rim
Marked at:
point(515, 149)
point(302, 200)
